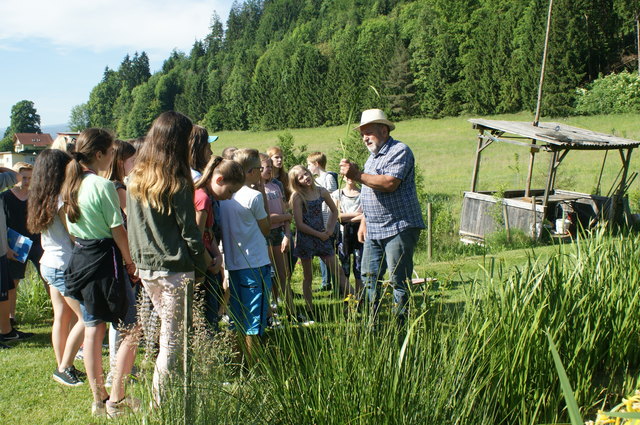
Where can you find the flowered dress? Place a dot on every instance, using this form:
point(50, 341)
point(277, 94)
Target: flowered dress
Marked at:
point(308, 246)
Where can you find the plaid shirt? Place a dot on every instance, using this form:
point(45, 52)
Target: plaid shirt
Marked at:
point(389, 213)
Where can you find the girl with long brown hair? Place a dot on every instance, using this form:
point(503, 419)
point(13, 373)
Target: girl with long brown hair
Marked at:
point(166, 244)
point(45, 216)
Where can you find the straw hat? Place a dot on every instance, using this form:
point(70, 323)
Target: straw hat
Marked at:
point(375, 116)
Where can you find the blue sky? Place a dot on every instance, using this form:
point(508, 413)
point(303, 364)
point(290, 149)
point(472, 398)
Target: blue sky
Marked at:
point(53, 52)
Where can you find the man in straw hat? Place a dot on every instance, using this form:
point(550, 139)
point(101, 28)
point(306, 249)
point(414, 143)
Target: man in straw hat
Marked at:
point(392, 217)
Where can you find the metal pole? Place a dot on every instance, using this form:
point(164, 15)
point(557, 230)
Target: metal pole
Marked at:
point(536, 120)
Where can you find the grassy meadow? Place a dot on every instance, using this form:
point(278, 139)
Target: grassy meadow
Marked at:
point(474, 352)
point(445, 151)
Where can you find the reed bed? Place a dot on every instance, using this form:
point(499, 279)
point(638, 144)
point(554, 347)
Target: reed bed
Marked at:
point(485, 360)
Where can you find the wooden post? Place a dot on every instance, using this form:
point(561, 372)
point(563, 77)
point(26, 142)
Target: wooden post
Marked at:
point(532, 157)
point(638, 38)
point(505, 216)
point(535, 218)
point(476, 164)
point(536, 120)
point(617, 197)
point(549, 187)
point(429, 233)
point(186, 350)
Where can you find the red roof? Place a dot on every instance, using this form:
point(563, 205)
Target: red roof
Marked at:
point(33, 139)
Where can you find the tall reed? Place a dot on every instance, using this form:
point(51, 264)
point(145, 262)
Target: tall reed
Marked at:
point(486, 362)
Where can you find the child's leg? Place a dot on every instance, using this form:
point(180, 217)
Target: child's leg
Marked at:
point(275, 288)
point(307, 279)
point(93, 337)
point(13, 297)
point(61, 322)
point(124, 361)
point(74, 340)
point(332, 266)
point(282, 279)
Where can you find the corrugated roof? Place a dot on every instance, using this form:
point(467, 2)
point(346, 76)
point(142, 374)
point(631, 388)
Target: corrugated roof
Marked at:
point(557, 135)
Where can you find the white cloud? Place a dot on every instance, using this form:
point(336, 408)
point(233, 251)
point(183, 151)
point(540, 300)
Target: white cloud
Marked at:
point(155, 26)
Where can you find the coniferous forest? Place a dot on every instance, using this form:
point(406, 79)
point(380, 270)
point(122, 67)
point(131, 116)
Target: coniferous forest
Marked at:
point(307, 63)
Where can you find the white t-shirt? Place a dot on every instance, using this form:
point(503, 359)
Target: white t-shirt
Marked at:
point(244, 245)
point(327, 181)
point(56, 244)
point(346, 204)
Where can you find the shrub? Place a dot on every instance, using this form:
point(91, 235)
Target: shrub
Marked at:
point(612, 94)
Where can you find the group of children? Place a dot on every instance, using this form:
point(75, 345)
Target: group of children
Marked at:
point(120, 221)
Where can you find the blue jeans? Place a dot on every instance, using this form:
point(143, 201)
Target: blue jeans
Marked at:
point(396, 255)
point(326, 276)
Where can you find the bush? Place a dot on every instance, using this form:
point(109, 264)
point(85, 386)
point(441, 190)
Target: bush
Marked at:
point(613, 94)
point(293, 155)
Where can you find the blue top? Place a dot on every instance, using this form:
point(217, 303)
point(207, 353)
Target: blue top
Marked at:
point(389, 213)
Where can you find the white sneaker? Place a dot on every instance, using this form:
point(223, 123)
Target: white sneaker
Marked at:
point(124, 406)
point(98, 409)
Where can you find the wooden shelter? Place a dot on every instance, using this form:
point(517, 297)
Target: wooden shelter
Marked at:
point(528, 209)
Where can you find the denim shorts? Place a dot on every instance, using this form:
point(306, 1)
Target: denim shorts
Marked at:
point(130, 318)
point(54, 277)
point(249, 303)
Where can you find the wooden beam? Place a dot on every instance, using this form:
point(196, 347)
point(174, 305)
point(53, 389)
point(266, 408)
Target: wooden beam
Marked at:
point(550, 178)
point(532, 157)
point(476, 164)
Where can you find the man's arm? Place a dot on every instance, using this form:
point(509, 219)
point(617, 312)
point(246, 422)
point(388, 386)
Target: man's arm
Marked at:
point(8, 178)
point(382, 183)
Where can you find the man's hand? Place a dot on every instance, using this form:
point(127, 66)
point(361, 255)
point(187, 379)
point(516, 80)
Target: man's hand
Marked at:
point(362, 231)
point(349, 170)
point(11, 255)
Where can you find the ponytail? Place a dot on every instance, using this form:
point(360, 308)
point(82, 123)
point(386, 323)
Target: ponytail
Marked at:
point(90, 142)
point(231, 172)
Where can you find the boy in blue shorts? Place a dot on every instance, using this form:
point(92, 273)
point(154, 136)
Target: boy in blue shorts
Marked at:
point(245, 222)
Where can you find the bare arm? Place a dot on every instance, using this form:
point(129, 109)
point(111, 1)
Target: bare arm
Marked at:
point(280, 218)
point(349, 217)
point(122, 197)
point(333, 216)
point(120, 237)
point(265, 226)
point(300, 225)
point(201, 220)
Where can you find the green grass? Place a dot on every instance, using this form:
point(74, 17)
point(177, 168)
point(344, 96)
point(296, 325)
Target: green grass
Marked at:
point(445, 150)
point(477, 349)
